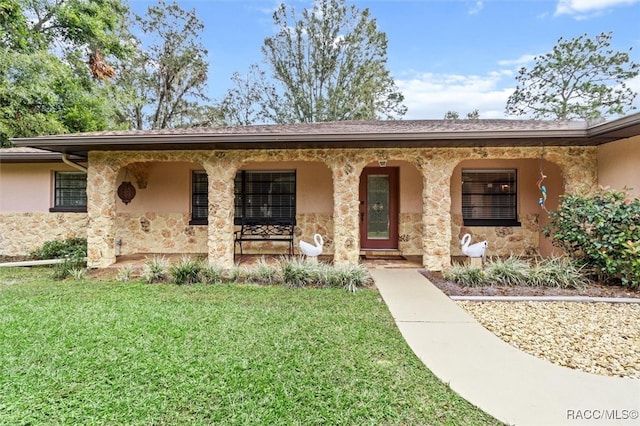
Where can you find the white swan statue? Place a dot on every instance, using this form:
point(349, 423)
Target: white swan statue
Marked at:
point(474, 250)
point(310, 250)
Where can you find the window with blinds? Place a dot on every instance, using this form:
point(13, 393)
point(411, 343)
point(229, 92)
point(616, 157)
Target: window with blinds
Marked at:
point(260, 197)
point(265, 196)
point(70, 192)
point(199, 198)
point(489, 197)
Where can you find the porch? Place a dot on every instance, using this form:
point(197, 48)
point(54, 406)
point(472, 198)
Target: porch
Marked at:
point(423, 211)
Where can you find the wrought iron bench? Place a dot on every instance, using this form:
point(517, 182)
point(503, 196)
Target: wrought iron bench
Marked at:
point(261, 231)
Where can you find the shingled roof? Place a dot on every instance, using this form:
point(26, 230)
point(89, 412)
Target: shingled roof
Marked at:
point(346, 134)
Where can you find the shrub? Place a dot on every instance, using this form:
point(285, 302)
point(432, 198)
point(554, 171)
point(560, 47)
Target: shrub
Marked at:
point(509, 271)
point(466, 276)
point(124, 274)
point(71, 248)
point(349, 277)
point(559, 272)
point(186, 271)
point(235, 274)
point(601, 231)
point(211, 274)
point(299, 272)
point(78, 273)
point(262, 273)
point(155, 269)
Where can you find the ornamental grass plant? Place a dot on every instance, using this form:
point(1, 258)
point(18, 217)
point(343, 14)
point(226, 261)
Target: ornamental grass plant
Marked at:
point(559, 272)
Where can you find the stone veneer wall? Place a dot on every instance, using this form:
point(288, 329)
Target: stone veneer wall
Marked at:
point(410, 234)
point(171, 233)
point(521, 240)
point(578, 166)
point(25, 232)
point(159, 233)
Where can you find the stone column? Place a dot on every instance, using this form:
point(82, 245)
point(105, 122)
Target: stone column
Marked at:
point(101, 209)
point(221, 173)
point(436, 212)
point(346, 210)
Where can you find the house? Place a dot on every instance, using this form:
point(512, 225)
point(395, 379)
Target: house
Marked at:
point(406, 187)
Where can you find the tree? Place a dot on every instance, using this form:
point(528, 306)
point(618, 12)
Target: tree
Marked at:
point(240, 105)
point(473, 115)
point(451, 115)
point(580, 78)
point(46, 86)
point(163, 83)
point(329, 65)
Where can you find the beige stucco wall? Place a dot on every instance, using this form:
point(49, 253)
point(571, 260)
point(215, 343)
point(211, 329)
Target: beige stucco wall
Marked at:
point(619, 165)
point(168, 188)
point(28, 187)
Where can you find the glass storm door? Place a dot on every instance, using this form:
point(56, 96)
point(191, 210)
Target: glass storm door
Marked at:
point(379, 208)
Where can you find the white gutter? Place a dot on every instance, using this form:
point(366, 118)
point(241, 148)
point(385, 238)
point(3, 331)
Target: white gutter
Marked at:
point(65, 160)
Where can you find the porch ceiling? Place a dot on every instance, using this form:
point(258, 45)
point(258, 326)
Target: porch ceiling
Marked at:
point(350, 134)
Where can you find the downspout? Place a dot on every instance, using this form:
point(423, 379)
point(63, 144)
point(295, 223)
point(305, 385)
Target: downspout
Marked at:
point(65, 160)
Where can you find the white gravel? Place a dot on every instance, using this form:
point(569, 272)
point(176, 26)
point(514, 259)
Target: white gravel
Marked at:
point(599, 338)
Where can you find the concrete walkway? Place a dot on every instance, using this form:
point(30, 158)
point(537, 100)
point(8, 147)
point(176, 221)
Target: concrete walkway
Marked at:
point(512, 386)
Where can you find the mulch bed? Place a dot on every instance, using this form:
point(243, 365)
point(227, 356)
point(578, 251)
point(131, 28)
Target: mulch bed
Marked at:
point(594, 289)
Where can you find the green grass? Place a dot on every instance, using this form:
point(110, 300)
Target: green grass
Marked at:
point(105, 352)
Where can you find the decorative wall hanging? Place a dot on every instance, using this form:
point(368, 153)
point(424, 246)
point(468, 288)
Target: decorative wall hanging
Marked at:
point(126, 190)
point(543, 189)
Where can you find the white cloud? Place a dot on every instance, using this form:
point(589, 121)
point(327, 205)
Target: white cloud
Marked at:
point(583, 9)
point(634, 84)
point(522, 60)
point(476, 8)
point(430, 96)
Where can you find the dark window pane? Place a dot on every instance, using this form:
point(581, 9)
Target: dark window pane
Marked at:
point(70, 190)
point(265, 195)
point(259, 196)
point(489, 195)
point(199, 196)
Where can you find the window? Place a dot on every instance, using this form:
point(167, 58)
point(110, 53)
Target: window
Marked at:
point(489, 197)
point(199, 198)
point(265, 196)
point(260, 196)
point(70, 192)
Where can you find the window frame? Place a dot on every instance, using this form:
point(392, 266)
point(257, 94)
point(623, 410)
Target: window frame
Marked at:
point(58, 186)
point(199, 220)
point(493, 199)
point(241, 197)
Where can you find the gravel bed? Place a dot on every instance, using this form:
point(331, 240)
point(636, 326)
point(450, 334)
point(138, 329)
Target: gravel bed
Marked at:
point(599, 338)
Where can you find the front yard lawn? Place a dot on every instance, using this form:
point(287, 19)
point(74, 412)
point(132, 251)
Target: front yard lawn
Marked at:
point(103, 352)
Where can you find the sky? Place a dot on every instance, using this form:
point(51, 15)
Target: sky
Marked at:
point(444, 55)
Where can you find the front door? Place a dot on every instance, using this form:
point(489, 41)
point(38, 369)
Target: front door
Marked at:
point(379, 208)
